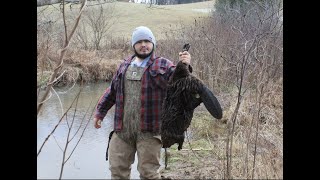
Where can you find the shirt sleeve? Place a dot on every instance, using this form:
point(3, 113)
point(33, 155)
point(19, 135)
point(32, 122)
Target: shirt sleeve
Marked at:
point(107, 100)
point(171, 68)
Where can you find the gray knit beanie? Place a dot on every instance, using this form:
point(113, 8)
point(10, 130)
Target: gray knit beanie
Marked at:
point(142, 33)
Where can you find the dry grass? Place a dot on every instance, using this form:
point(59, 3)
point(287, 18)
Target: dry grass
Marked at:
point(100, 65)
point(159, 18)
point(204, 151)
point(208, 137)
point(89, 66)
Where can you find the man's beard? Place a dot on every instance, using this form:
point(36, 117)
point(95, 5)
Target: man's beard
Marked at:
point(142, 56)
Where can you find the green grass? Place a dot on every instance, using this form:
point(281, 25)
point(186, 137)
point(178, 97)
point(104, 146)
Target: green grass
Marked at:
point(202, 127)
point(159, 18)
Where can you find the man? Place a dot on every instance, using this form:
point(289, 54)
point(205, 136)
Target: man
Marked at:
point(137, 90)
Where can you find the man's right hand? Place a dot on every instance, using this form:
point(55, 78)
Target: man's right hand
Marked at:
point(97, 123)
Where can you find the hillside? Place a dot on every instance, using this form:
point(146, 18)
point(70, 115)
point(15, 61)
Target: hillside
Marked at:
point(159, 18)
point(127, 16)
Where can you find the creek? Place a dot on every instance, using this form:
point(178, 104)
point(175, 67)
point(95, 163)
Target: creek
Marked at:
point(88, 158)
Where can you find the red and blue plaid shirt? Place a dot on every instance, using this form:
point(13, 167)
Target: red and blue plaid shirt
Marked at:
point(153, 89)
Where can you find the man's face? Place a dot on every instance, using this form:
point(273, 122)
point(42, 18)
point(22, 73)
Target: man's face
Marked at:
point(143, 48)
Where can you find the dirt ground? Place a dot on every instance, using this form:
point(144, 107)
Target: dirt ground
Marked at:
point(192, 164)
point(199, 158)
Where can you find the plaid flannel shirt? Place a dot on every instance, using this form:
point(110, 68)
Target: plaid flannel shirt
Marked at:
point(153, 89)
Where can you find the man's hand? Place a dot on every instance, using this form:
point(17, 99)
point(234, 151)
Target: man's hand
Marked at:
point(97, 123)
point(185, 57)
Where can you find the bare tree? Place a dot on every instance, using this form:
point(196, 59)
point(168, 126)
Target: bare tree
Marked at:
point(70, 137)
point(97, 20)
point(239, 51)
point(256, 26)
point(62, 53)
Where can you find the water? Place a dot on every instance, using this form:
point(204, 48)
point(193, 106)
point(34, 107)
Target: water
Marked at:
point(88, 159)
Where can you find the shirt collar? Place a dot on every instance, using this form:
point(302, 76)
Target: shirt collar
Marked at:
point(140, 64)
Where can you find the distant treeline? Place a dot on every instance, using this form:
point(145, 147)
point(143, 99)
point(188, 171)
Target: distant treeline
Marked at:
point(166, 2)
point(162, 2)
point(158, 2)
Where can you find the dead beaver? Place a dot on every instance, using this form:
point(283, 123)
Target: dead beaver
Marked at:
point(184, 93)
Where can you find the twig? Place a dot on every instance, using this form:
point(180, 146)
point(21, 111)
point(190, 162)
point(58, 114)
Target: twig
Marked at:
point(62, 53)
point(55, 127)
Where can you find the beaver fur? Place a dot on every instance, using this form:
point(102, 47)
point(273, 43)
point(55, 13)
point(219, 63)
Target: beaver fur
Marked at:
point(185, 92)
